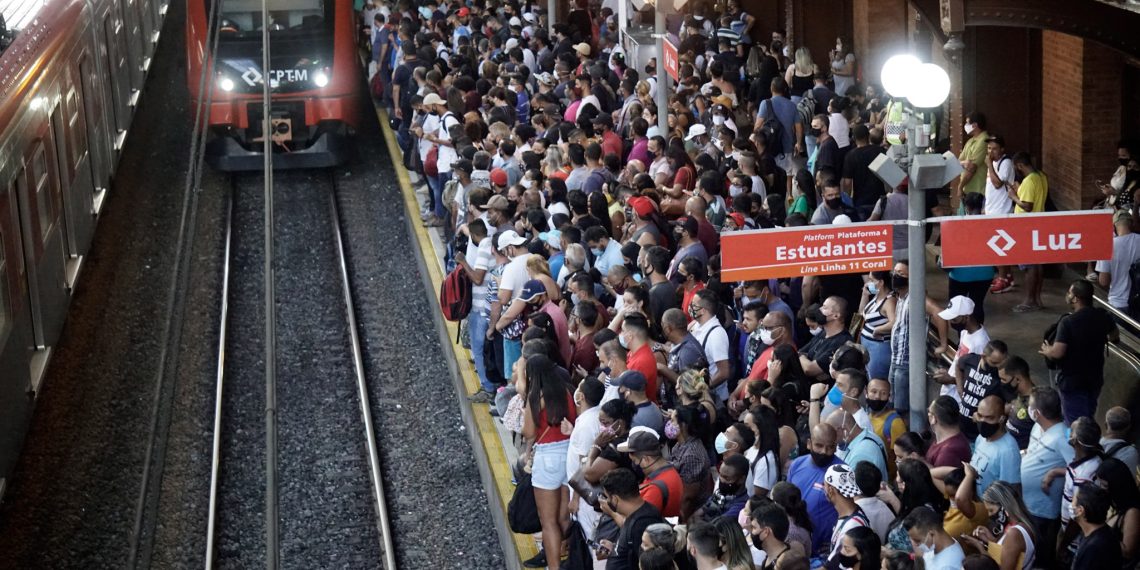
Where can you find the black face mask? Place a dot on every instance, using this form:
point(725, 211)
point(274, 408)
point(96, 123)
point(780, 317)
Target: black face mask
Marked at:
point(816, 132)
point(846, 560)
point(958, 326)
point(821, 459)
point(834, 203)
point(638, 472)
point(1123, 161)
point(987, 430)
point(727, 490)
point(899, 282)
point(877, 405)
point(756, 541)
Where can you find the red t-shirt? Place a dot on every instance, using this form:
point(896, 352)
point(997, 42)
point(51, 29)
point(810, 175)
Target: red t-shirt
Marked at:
point(611, 144)
point(687, 299)
point(585, 355)
point(554, 433)
point(949, 453)
point(642, 361)
point(651, 492)
point(685, 177)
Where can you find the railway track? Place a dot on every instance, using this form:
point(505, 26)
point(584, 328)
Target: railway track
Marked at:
point(295, 474)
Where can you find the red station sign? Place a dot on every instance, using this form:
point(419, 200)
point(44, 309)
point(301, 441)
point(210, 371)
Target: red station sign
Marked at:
point(671, 61)
point(810, 250)
point(1027, 239)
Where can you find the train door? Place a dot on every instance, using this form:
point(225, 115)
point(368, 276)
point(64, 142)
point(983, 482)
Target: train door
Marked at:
point(41, 224)
point(15, 332)
point(94, 121)
point(76, 191)
point(118, 68)
point(136, 52)
point(146, 28)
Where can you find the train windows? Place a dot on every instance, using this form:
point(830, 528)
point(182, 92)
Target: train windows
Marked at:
point(41, 182)
point(243, 17)
point(76, 126)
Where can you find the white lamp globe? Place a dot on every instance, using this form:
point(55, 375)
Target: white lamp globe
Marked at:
point(931, 86)
point(898, 74)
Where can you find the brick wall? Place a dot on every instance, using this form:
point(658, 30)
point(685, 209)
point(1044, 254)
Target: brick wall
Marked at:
point(1080, 103)
point(880, 32)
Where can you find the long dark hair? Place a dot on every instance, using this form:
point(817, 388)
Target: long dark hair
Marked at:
point(767, 437)
point(920, 489)
point(545, 389)
point(1114, 475)
point(806, 182)
point(788, 496)
point(781, 405)
point(792, 373)
point(596, 201)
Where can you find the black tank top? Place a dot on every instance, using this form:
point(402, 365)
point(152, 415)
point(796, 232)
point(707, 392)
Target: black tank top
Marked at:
point(801, 84)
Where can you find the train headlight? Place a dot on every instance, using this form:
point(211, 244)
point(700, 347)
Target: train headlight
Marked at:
point(226, 84)
point(321, 79)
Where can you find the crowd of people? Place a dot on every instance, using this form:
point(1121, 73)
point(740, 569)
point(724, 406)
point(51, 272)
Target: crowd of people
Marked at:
point(671, 419)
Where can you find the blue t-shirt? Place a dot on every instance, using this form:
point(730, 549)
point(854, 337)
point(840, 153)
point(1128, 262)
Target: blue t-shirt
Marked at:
point(867, 446)
point(804, 474)
point(1048, 449)
point(973, 274)
point(555, 263)
point(996, 461)
point(785, 111)
point(609, 258)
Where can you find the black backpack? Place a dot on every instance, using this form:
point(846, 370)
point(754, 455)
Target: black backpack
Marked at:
point(773, 130)
point(1134, 290)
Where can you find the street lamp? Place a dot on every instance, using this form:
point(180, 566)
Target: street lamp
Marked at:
point(916, 85)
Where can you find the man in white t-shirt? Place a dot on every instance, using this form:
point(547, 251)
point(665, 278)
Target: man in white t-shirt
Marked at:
point(713, 339)
point(1113, 274)
point(999, 175)
point(972, 339)
point(587, 398)
point(476, 261)
point(510, 287)
point(928, 539)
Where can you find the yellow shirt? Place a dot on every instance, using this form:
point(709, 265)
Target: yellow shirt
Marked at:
point(1035, 188)
point(897, 429)
point(975, 151)
point(956, 524)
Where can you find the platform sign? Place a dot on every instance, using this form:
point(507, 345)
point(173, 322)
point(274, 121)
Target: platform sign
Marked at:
point(1026, 239)
point(811, 250)
point(671, 61)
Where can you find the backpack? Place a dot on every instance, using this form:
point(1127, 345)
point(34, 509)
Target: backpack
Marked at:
point(806, 108)
point(773, 130)
point(455, 295)
point(1134, 290)
point(1050, 336)
point(449, 191)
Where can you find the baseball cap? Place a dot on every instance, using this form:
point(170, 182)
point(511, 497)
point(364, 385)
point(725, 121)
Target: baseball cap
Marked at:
point(724, 100)
point(515, 22)
point(603, 119)
point(433, 99)
point(545, 78)
point(631, 380)
point(530, 17)
point(511, 237)
point(641, 440)
point(532, 290)
point(689, 224)
point(498, 202)
point(582, 48)
point(696, 131)
point(738, 219)
point(553, 238)
point(840, 220)
point(511, 44)
point(998, 139)
point(641, 205)
point(464, 12)
point(1121, 216)
point(653, 131)
point(959, 306)
point(843, 479)
point(499, 178)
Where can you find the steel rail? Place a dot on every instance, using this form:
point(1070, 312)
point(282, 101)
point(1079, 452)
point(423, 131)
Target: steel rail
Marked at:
point(272, 536)
point(382, 520)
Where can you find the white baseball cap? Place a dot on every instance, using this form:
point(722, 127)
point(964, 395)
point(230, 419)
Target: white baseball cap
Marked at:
point(512, 44)
point(515, 22)
point(696, 131)
point(959, 306)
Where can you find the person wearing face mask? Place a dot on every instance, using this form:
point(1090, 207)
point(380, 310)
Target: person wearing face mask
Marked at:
point(738, 439)
point(584, 431)
point(607, 251)
point(1079, 351)
point(975, 378)
point(899, 373)
point(840, 489)
point(1010, 538)
point(832, 206)
point(622, 501)
point(807, 473)
point(815, 356)
point(885, 421)
point(698, 209)
point(950, 448)
point(1113, 274)
point(768, 528)
point(1048, 451)
point(1099, 547)
point(996, 456)
point(827, 153)
point(972, 158)
point(731, 492)
point(1084, 443)
point(1015, 388)
point(1028, 194)
point(631, 387)
point(859, 549)
point(939, 551)
point(661, 484)
point(686, 233)
point(857, 444)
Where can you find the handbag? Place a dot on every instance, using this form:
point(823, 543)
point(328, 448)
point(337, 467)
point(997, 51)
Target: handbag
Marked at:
point(522, 511)
point(578, 550)
point(431, 163)
point(584, 488)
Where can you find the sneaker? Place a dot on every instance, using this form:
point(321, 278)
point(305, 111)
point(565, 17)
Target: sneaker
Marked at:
point(1001, 285)
point(1023, 308)
point(481, 397)
point(433, 222)
point(539, 560)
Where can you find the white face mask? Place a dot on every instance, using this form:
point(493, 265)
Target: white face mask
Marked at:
point(815, 331)
point(766, 337)
point(718, 120)
point(969, 128)
point(736, 155)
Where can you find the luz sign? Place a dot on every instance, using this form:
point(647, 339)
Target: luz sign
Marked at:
point(1027, 239)
point(671, 62)
point(812, 250)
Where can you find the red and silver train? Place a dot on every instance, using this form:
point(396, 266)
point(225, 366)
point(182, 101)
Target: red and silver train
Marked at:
point(69, 82)
point(314, 78)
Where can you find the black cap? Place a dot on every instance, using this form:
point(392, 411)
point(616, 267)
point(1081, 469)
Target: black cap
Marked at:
point(997, 139)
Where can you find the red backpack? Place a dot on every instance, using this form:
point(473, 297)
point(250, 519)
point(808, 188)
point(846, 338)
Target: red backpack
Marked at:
point(455, 295)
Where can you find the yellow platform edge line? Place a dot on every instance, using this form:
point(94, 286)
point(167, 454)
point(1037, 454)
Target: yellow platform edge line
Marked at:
point(488, 434)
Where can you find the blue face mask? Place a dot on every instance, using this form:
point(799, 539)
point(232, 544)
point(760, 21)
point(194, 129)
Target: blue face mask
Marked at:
point(721, 443)
point(872, 288)
point(597, 252)
point(834, 396)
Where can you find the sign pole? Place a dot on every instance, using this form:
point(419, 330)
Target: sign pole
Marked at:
point(551, 14)
point(916, 254)
point(662, 76)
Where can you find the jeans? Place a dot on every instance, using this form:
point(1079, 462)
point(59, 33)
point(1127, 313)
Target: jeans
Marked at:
point(477, 328)
point(900, 387)
point(435, 190)
point(1076, 403)
point(512, 350)
point(811, 143)
point(880, 357)
point(437, 194)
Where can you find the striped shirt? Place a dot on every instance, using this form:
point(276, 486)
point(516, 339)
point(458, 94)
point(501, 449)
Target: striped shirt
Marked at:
point(900, 333)
point(873, 317)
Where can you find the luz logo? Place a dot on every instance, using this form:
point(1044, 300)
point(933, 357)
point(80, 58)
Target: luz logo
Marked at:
point(1001, 235)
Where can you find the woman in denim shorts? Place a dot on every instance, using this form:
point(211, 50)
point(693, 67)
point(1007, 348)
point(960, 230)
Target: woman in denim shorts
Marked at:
point(547, 405)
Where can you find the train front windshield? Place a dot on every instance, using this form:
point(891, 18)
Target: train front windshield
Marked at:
point(242, 18)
